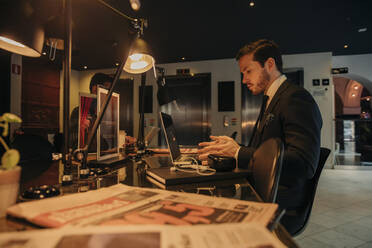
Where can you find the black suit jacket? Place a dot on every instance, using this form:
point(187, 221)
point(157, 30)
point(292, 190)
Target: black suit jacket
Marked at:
point(294, 117)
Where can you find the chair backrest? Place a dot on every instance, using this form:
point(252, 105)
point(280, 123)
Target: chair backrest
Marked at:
point(266, 165)
point(36, 155)
point(324, 153)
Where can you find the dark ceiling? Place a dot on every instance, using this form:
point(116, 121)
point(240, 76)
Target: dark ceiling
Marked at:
point(216, 29)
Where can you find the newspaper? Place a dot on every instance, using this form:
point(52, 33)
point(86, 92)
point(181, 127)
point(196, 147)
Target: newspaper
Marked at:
point(123, 205)
point(149, 236)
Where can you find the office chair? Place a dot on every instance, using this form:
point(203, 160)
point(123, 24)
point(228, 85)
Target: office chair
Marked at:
point(305, 212)
point(266, 166)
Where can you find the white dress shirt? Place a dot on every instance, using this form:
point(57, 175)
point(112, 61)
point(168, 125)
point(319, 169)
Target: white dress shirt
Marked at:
point(274, 88)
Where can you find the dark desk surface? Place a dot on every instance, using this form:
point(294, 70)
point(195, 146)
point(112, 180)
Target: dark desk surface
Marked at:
point(135, 175)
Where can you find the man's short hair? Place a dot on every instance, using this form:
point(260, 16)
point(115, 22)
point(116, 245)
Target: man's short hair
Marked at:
point(262, 50)
point(99, 79)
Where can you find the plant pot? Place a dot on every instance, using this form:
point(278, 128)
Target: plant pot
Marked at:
point(9, 188)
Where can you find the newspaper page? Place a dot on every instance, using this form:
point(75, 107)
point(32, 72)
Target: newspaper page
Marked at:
point(150, 236)
point(123, 205)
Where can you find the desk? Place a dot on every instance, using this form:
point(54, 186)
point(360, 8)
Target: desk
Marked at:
point(135, 176)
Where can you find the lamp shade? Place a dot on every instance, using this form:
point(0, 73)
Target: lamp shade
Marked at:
point(140, 58)
point(22, 32)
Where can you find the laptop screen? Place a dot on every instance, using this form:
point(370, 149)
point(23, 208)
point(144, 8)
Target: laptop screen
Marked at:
point(170, 135)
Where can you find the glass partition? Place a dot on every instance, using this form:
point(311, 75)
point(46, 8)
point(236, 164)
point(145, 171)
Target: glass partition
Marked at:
point(353, 142)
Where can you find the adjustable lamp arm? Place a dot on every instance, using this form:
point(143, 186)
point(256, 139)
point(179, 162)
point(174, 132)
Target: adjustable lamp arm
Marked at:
point(98, 120)
point(138, 25)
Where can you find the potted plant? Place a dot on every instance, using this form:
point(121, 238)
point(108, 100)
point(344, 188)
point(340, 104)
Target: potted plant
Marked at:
point(9, 170)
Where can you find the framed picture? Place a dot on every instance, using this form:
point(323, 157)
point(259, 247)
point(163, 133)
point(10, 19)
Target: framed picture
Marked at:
point(226, 96)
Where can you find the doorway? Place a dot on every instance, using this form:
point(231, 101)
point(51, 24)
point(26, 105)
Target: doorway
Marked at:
point(353, 122)
point(191, 115)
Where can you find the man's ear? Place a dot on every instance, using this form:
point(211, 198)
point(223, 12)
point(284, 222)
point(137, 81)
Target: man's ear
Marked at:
point(270, 64)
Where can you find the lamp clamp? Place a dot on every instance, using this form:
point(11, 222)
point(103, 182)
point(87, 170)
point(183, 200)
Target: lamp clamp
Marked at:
point(139, 25)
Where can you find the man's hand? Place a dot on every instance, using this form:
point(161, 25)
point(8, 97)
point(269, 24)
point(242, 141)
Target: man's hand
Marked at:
point(220, 146)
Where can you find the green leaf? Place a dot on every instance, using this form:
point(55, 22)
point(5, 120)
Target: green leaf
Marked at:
point(10, 159)
point(8, 117)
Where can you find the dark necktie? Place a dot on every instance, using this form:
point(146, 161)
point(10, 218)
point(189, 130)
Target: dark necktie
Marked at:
point(262, 111)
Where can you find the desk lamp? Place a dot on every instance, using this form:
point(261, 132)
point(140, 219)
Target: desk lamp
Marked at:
point(23, 35)
point(139, 60)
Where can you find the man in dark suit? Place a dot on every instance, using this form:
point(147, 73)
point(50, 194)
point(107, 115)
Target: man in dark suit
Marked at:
point(291, 114)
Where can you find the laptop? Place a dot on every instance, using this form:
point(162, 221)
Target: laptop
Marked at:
point(170, 136)
point(150, 134)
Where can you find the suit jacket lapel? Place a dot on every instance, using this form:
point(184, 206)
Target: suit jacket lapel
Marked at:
point(273, 103)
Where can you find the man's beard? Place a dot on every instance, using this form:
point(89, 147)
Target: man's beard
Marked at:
point(264, 80)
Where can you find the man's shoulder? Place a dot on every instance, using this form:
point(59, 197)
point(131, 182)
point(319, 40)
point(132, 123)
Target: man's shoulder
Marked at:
point(295, 95)
point(296, 90)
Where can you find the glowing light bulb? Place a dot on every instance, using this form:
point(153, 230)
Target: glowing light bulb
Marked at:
point(353, 95)
point(138, 65)
point(136, 56)
point(356, 87)
point(251, 4)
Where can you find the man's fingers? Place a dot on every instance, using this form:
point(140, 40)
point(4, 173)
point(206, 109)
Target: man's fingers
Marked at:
point(203, 157)
point(205, 149)
point(225, 138)
point(217, 138)
point(205, 143)
point(204, 162)
point(212, 148)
